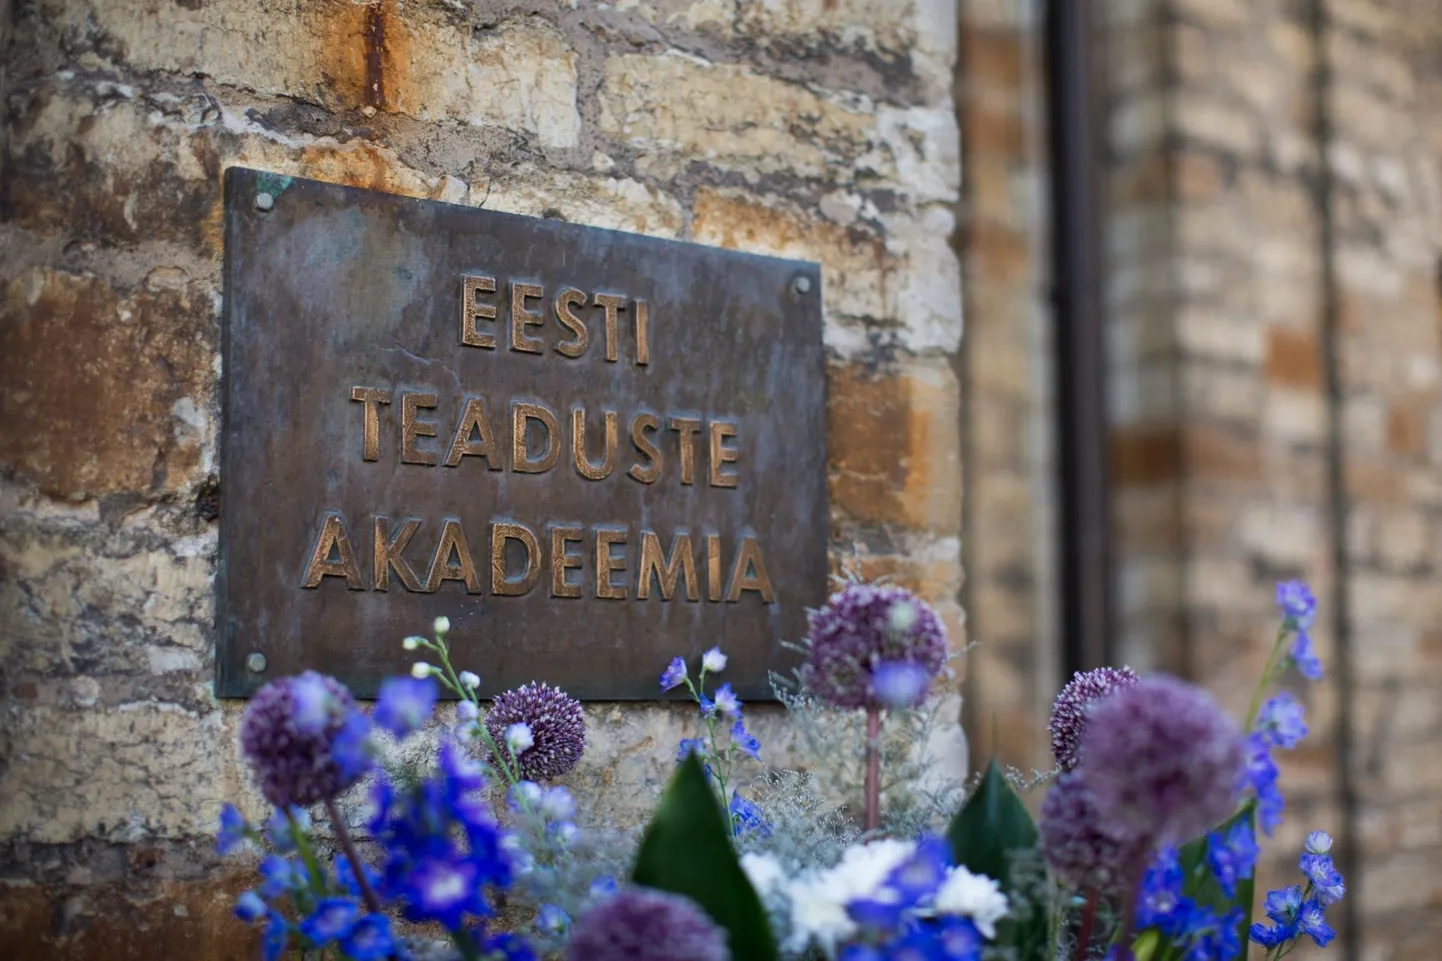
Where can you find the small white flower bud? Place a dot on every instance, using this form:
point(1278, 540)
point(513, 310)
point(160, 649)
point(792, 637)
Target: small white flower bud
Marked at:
point(467, 711)
point(713, 660)
point(469, 680)
point(421, 670)
point(442, 625)
point(518, 738)
point(411, 643)
point(1319, 842)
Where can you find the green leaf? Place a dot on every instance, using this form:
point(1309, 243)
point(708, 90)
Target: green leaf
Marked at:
point(687, 850)
point(988, 835)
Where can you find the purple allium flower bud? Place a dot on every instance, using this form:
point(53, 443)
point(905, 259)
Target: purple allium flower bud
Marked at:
point(556, 722)
point(862, 626)
point(294, 763)
point(1076, 844)
point(1162, 759)
point(1069, 713)
point(639, 924)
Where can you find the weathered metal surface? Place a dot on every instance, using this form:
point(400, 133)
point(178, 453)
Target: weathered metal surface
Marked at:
point(369, 403)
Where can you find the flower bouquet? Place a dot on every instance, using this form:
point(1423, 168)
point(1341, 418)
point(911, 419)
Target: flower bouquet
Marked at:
point(1145, 848)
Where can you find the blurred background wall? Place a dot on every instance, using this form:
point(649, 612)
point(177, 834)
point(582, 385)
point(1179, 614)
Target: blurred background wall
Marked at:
point(1267, 221)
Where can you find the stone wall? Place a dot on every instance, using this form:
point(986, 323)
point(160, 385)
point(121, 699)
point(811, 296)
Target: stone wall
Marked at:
point(1274, 241)
point(823, 131)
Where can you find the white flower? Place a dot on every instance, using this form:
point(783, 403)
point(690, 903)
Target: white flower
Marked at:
point(421, 670)
point(518, 738)
point(442, 625)
point(412, 642)
point(469, 680)
point(713, 660)
point(819, 899)
point(467, 711)
point(973, 895)
point(765, 873)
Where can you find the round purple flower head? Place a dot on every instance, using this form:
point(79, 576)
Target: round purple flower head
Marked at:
point(1076, 843)
point(1162, 759)
point(644, 925)
point(1069, 713)
point(556, 723)
point(861, 627)
point(289, 736)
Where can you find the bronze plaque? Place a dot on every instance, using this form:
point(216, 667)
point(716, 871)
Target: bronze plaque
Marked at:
point(591, 450)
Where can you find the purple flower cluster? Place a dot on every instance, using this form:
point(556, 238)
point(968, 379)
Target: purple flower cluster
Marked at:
point(1162, 760)
point(863, 628)
point(639, 924)
point(556, 723)
point(1079, 844)
point(1295, 910)
point(300, 736)
point(1069, 712)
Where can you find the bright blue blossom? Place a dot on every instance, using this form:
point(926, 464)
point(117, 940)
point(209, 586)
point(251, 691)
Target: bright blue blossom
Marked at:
point(689, 746)
point(745, 740)
point(444, 890)
point(1161, 894)
point(1327, 884)
point(1298, 605)
point(1281, 722)
point(918, 877)
point(508, 947)
point(352, 746)
point(233, 830)
point(369, 939)
point(747, 817)
point(1231, 858)
point(1312, 920)
point(552, 920)
point(708, 706)
point(249, 907)
point(1209, 936)
point(603, 887)
point(278, 829)
point(277, 936)
point(345, 876)
point(281, 876)
point(1282, 906)
point(1305, 658)
point(674, 674)
point(1260, 776)
point(900, 684)
point(727, 702)
point(332, 919)
point(1271, 936)
point(405, 703)
point(860, 952)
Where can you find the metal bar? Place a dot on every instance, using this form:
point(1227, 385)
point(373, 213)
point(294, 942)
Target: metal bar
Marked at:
point(1085, 500)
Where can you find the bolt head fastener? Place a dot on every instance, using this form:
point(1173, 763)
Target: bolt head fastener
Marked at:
point(255, 663)
point(264, 201)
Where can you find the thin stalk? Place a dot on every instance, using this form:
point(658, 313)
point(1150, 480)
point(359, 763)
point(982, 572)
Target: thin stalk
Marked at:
point(1267, 678)
point(1088, 919)
point(358, 867)
point(302, 846)
point(873, 768)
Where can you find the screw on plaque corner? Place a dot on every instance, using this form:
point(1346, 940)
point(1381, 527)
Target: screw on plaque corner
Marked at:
point(255, 663)
point(264, 201)
point(801, 285)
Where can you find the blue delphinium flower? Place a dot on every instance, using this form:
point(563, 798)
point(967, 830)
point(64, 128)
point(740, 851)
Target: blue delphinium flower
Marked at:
point(1209, 936)
point(552, 920)
point(331, 920)
point(689, 746)
point(747, 817)
point(508, 947)
point(249, 907)
point(281, 876)
point(1161, 901)
point(727, 702)
point(1312, 920)
point(1281, 722)
point(900, 684)
point(1306, 658)
point(674, 674)
point(1282, 908)
point(1232, 858)
point(369, 939)
point(1298, 605)
point(1318, 842)
point(233, 830)
point(1260, 776)
point(708, 706)
point(405, 703)
point(276, 938)
point(745, 740)
point(1327, 884)
point(278, 829)
point(603, 887)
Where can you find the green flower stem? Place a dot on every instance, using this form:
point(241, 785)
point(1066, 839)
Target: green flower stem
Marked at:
point(1273, 660)
point(465, 945)
point(302, 846)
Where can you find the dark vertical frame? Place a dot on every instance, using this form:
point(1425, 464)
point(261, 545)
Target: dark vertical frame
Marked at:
point(1074, 117)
